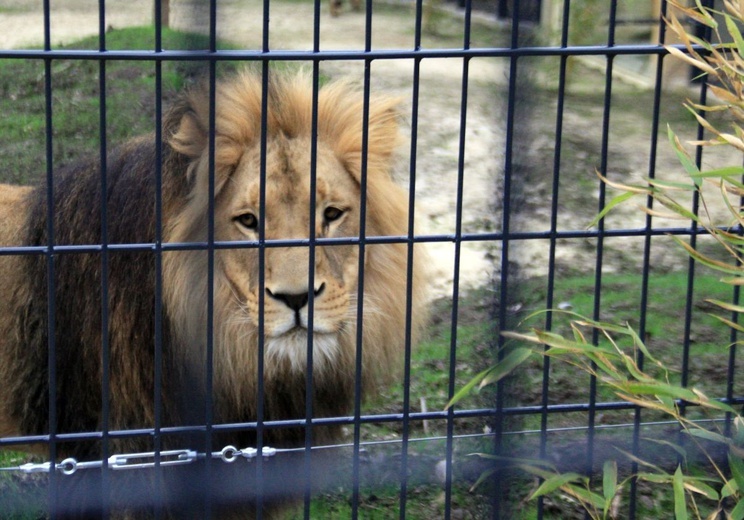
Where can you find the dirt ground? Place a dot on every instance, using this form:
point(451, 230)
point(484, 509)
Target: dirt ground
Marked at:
point(439, 115)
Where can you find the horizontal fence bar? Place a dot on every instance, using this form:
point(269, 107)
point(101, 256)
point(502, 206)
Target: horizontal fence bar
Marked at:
point(346, 241)
point(346, 420)
point(360, 55)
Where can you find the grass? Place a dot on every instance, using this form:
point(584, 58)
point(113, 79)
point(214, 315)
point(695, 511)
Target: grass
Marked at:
point(76, 115)
point(665, 328)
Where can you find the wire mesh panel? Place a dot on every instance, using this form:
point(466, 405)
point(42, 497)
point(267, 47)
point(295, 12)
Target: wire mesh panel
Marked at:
point(268, 246)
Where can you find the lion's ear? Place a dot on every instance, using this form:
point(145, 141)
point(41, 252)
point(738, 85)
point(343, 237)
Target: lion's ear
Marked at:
point(383, 137)
point(190, 138)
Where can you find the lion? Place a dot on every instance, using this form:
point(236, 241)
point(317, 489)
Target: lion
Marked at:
point(261, 297)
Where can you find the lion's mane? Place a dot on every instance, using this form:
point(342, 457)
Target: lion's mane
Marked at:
point(127, 273)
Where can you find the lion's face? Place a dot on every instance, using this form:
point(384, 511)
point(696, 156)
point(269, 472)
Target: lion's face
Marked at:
point(286, 287)
point(262, 319)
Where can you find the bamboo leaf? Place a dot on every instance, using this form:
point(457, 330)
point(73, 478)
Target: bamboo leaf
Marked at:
point(656, 478)
point(721, 172)
point(729, 323)
point(697, 63)
point(737, 513)
point(584, 495)
point(708, 435)
point(733, 29)
point(609, 482)
point(658, 388)
point(511, 361)
point(465, 390)
point(610, 206)
point(493, 374)
point(555, 482)
point(676, 447)
point(726, 305)
point(684, 158)
point(729, 488)
point(712, 263)
point(678, 485)
point(701, 488)
point(672, 185)
point(736, 464)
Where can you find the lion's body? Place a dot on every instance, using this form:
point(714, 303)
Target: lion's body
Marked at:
point(129, 276)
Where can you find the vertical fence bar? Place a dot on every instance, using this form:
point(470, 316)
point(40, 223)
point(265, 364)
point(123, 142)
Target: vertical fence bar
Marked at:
point(691, 265)
point(309, 388)
point(549, 301)
point(503, 298)
point(105, 343)
point(597, 311)
point(158, 260)
point(646, 265)
point(260, 387)
point(50, 264)
point(360, 269)
point(209, 366)
point(406, 422)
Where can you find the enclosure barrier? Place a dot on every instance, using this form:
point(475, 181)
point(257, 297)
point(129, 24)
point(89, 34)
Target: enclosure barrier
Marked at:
point(525, 415)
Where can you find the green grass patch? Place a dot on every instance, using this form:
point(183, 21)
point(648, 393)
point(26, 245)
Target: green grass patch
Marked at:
point(76, 100)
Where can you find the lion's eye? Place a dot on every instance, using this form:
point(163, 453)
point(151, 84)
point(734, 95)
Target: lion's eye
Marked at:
point(247, 220)
point(330, 214)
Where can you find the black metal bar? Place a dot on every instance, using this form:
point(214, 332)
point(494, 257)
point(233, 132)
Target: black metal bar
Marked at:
point(309, 392)
point(158, 260)
point(50, 264)
point(104, 257)
point(554, 206)
point(406, 423)
point(339, 55)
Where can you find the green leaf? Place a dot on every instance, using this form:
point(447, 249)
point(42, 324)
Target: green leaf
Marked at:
point(737, 469)
point(674, 185)
point(727, 171)
point(709, 262)
point(658, 388)
point(555, 482)
point(585, 495)
point(680, 504)
point(729, 323)
point(482, 478)
point(729, 488)
point(698, 486)
point(733, 29)
point(465, 390)
point(684, 158)
point(511, 361)
point(610, 205)
point(707, 435)
point(656, 478)
point(609, 482)
point(725, 305)
point(681, 451)
point(737, 513)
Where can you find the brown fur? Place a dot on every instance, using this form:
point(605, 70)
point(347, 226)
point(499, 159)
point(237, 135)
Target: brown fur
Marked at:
point(24, 354)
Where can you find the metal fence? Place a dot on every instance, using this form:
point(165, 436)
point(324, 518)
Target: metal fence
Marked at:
point(559, 111)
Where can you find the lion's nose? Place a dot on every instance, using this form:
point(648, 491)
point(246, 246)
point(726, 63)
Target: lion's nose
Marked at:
point(295, 301)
